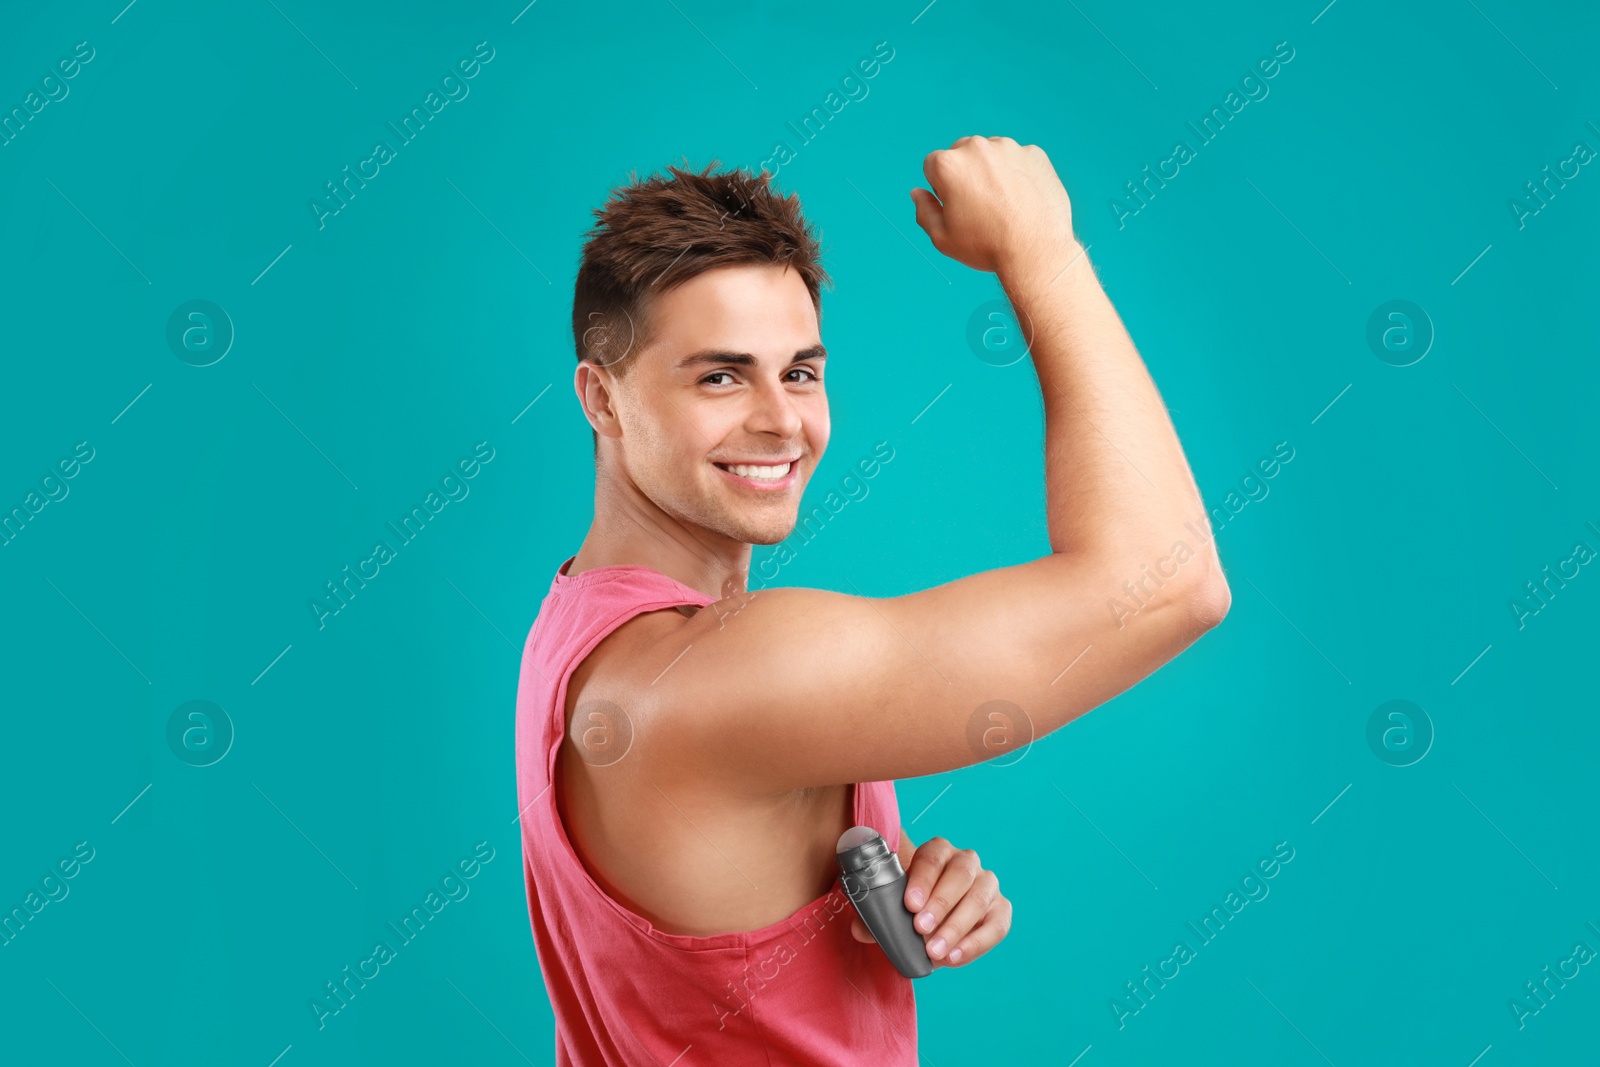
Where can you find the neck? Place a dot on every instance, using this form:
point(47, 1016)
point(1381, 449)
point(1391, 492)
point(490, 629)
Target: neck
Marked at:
point(629, 527)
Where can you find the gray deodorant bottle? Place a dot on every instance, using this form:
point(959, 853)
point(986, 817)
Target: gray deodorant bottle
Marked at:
point(873, 879)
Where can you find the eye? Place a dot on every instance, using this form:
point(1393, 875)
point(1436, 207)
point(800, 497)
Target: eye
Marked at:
point(810, 376)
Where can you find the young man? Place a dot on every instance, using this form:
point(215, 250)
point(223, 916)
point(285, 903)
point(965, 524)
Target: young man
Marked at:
point(689, 751)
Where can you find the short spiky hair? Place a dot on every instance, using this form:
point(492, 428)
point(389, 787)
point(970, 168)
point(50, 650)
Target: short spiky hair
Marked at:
point(655, 234)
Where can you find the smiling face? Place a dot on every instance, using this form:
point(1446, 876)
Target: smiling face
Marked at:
point(722, 418)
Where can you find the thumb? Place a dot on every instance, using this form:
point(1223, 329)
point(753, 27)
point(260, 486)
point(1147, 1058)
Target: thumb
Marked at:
point(930, 214)
point(859, 931)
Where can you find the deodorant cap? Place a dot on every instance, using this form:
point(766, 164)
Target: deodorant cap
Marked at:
point(856, 835)
point(865, 856)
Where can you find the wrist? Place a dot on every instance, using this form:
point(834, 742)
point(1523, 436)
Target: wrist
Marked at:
point(1045, 262)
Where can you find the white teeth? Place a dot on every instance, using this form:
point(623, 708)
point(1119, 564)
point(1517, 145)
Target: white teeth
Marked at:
point(760, 474)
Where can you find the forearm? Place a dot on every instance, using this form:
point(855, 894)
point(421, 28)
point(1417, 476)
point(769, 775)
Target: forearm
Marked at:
point(1117, 481)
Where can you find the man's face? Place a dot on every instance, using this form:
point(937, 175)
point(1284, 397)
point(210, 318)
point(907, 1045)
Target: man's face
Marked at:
point(731, 382)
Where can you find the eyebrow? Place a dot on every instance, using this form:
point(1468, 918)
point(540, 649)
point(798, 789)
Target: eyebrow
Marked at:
point(744, 359)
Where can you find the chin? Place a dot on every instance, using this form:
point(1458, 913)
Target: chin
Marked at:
point(764, 529)
point(769, 536)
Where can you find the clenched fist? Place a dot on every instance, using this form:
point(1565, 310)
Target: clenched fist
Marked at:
point(995, 203)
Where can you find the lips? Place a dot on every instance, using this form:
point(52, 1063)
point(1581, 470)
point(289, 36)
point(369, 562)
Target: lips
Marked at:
point(787, 479)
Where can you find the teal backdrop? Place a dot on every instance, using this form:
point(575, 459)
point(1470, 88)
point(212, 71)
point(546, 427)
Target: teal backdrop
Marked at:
point(222, 382)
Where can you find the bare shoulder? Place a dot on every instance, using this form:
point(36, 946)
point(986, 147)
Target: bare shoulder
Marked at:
point(610, 705)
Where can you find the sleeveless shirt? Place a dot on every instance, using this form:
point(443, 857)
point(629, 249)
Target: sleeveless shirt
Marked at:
point(800, 992)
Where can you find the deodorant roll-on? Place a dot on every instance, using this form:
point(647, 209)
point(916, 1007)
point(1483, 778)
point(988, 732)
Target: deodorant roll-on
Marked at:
point(873, 879)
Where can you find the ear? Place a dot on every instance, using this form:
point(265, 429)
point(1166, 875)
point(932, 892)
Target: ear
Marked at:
point(596, 390)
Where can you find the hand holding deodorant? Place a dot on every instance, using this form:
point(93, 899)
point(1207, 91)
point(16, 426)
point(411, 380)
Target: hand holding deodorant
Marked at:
point(873, 879)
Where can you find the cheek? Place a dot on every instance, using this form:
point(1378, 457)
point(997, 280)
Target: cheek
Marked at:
point(818, 428)
point(677, 451)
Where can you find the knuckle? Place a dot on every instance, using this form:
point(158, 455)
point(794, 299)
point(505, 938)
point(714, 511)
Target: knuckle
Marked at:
point(988, 887)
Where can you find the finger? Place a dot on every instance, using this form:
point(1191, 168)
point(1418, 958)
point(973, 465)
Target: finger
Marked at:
point(955, 879)
point(933, 169)
point(906, 850)
point(926, 863)
point(930, 214)
point(859, 931)
point(983, 937)
point(967, 913)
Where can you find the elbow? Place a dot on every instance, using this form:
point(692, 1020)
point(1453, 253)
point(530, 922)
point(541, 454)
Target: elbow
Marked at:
point(1208, 604)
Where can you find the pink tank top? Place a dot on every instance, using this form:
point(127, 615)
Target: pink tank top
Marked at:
point(801, 991)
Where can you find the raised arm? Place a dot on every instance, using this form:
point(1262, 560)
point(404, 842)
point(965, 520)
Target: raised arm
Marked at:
point(785, 688)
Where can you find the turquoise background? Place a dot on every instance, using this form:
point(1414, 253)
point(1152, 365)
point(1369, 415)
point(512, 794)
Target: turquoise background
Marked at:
point(370, 756)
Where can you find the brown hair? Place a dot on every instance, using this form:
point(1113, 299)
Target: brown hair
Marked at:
point(655, 234)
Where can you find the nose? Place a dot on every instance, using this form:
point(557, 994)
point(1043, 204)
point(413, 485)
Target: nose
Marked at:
point(773, 411)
